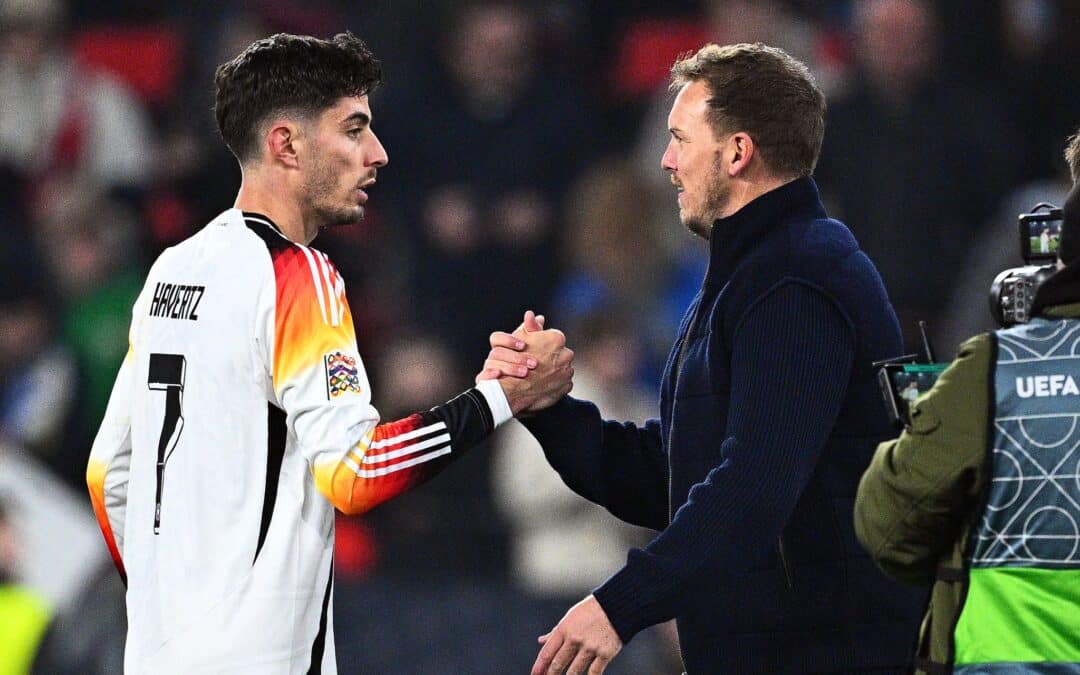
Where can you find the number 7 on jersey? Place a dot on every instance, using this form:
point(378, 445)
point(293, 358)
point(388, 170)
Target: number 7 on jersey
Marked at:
point(167, 374)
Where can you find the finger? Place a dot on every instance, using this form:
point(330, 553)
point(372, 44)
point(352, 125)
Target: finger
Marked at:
point(562, 658)
point(487, 374)
point(511, 356)
point(502, 368)
point(506, 340)
point(598, 665)
point(552, 642)
point(581, 662)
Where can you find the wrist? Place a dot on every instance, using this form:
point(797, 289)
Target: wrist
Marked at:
point(502, 408)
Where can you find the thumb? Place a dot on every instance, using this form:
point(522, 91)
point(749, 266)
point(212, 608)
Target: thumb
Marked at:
point(530, 324)
point(533, 322)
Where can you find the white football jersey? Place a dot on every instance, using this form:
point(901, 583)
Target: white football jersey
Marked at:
point(240, 418)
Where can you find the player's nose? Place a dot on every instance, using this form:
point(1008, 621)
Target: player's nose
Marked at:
point(377, 156)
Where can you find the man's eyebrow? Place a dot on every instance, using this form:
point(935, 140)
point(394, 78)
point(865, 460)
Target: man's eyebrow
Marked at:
point(359, 117)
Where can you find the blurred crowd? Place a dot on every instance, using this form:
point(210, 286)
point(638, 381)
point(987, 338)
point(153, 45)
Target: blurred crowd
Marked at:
point(524, 142)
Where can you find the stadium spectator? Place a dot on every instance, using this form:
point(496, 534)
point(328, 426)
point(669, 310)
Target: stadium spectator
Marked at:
point(90, 245)
point(59, 118)
point(618, 251)
point(486, 179)
point(36, 372)
point(912, 177)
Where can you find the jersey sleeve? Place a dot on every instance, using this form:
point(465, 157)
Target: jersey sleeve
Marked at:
point(110, 457)
point(320, 382)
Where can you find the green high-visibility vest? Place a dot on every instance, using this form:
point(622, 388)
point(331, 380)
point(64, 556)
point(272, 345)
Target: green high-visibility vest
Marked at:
point(1021, 613)
point(23, 620)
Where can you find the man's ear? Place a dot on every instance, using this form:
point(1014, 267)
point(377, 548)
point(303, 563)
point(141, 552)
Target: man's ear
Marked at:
point(741, 150)
point(281, 141)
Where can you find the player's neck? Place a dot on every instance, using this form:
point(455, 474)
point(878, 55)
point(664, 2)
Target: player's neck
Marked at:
point(275, 203)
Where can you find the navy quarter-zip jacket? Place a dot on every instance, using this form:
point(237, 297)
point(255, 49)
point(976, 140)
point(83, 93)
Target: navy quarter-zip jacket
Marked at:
point(769, 414)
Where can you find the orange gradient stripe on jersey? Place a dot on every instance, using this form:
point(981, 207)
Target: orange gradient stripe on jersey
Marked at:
point(312, 317)
point(95, 481)
point(391, 459)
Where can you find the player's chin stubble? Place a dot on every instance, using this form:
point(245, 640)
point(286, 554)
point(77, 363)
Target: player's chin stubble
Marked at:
point(347, 215)
point(324, 201)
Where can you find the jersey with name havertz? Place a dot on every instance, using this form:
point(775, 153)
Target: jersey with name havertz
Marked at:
point(240, 418)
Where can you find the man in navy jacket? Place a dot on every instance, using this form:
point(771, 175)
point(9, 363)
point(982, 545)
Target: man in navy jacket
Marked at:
point(769, 411)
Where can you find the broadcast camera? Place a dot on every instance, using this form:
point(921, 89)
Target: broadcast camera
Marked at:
point(1013, 290)
point(902, 379)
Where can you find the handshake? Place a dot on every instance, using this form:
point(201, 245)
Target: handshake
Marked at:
point(533, 365)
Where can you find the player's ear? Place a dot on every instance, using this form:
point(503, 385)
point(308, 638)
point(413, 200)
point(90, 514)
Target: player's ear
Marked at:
point(281, 141)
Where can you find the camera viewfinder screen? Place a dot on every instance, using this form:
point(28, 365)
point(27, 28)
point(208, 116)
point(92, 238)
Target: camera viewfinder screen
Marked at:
point(1041, 237)
point(911, 380)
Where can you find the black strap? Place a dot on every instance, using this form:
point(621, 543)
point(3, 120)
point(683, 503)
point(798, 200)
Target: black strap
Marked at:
point(951, 574)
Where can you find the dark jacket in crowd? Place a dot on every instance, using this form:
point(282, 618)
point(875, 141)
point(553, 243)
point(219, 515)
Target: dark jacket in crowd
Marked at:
point(769, 414)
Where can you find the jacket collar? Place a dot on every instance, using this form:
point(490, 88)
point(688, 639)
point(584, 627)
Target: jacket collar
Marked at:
point(733, 237)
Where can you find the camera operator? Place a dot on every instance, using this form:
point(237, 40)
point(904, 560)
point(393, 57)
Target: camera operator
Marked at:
point(980, 497)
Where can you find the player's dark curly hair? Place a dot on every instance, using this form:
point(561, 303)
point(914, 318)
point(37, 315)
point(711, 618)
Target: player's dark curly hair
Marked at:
point(288, 74)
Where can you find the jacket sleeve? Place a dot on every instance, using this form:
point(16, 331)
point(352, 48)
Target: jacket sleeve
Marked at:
point(920, 488)
point(320, 382)
point(791, 360)
point(618, 465)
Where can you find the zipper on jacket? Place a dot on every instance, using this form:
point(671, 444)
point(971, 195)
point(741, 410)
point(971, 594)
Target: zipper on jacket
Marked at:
point(783, 561)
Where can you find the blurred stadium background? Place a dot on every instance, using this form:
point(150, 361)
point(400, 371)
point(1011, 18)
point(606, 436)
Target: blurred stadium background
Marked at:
point(524, 143)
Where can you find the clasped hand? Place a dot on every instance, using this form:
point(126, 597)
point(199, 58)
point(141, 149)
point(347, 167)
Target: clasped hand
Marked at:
point(533, 365)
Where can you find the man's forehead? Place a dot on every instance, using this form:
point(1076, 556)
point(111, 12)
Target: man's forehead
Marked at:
point(691, 102)
point(350, 106)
